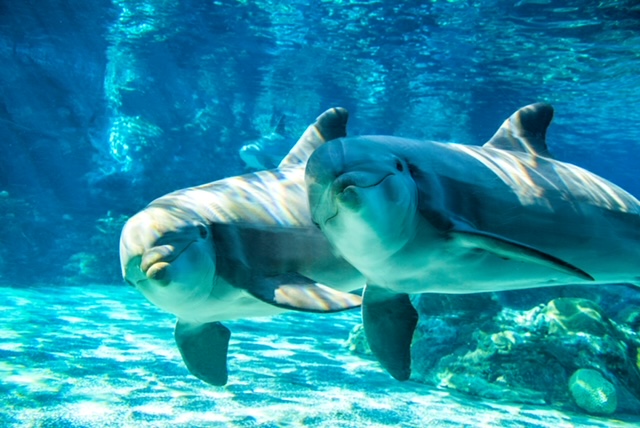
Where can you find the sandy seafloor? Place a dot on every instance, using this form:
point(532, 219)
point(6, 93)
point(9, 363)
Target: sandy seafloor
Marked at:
point(101, 356)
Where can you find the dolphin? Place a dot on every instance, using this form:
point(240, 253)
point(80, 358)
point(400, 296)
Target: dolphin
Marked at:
point(239, 247)
point(422, 216)
point(268, 151)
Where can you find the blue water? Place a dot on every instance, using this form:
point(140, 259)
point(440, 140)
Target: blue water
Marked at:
point(106, 105)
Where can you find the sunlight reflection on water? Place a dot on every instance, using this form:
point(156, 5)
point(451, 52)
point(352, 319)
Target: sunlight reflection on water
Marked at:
point(291, 370)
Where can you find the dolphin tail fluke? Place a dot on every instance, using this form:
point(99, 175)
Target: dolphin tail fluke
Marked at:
point(389, 322)
point(204, 350)
point(299, 293)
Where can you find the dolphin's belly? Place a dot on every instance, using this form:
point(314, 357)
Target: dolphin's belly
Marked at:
point(453, 270)
point(475, 271)
point(333, 272)
point(226, 303)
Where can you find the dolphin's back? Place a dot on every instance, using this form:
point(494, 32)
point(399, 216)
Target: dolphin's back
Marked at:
point(534, 179)
point(555, 206)
point(270, 198)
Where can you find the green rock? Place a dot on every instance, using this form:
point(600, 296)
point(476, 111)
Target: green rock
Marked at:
point(572, 315)
point(593, 393)
point(479, 387)
point(357, 342)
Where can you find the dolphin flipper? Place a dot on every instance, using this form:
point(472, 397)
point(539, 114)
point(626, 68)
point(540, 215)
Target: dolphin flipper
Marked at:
point(204, 350)
point(389, 321)
point(297, 292)
point(509, 249)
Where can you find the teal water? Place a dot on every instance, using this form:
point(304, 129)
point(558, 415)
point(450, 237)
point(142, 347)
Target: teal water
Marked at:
point(100, 356)
point(106, 105)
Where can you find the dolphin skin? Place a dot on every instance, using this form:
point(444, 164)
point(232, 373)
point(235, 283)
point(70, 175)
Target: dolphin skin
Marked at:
point(422, 216)
point(239, 247)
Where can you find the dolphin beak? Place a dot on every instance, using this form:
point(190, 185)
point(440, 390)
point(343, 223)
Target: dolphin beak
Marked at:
point(151, 241)
point(156, 262)
point(335, 174)
point(323, 168)
point(131, 271)
point(325, 164)
point(152, 265)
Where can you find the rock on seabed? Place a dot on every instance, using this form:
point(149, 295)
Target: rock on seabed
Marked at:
point(593, 393)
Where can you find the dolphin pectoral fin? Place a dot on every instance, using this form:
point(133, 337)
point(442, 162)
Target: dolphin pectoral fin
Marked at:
point(297, 292)
point(389, 322)
point(204, 350)
point(506, 248)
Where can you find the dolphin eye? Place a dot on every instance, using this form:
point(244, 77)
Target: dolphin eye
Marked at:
point(203, 231)
point(399, 165)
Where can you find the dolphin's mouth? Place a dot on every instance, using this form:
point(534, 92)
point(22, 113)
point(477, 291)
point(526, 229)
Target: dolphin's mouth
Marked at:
point(155, 262)
point(345, 192)
point(332, 217)
point(356, 179)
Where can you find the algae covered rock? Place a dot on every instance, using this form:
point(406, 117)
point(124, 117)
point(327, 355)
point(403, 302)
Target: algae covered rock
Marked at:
point(496, 391)
point(593, 393)
point(571, 315)
point(566, 353)
point(357, 342)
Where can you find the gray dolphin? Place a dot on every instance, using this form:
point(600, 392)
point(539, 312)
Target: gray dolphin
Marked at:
point(239, 247)
point(422, 216)
point(267, 151)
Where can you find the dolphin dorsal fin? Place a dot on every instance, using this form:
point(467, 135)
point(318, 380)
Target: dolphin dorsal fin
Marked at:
point(329, 125)
point(525, 131)
point(280, 126)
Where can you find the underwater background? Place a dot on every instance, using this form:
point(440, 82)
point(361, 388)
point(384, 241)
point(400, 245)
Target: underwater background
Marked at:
point(106, 105)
